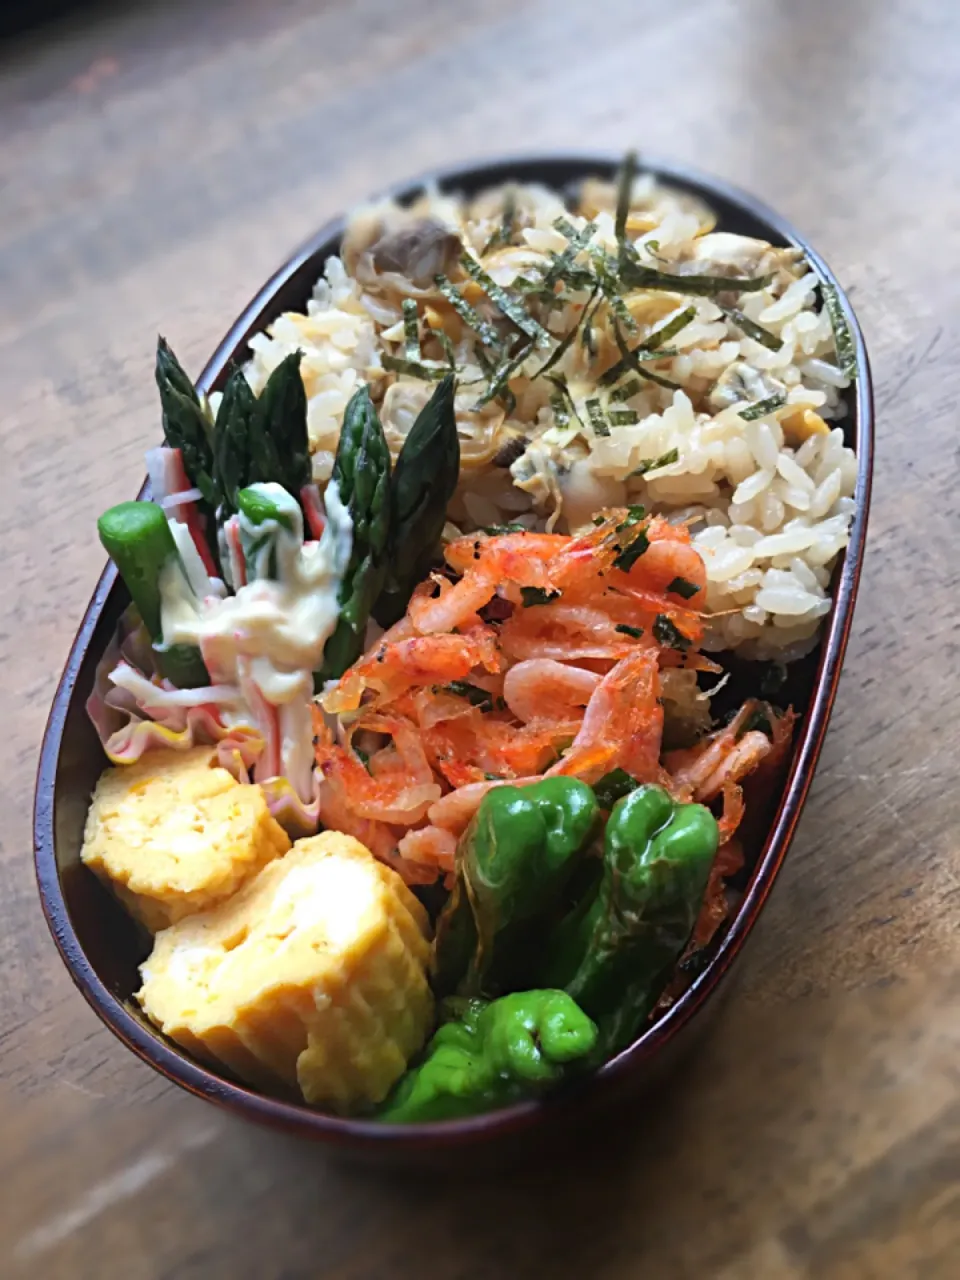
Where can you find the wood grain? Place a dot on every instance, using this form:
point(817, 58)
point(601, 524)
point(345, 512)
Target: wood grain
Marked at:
point(156, 163)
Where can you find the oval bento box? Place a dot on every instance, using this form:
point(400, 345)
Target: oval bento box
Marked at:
point(100, 946)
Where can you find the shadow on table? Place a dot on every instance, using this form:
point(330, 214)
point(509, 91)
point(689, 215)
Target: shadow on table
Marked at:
point(735, 1165)
point(584, 1208)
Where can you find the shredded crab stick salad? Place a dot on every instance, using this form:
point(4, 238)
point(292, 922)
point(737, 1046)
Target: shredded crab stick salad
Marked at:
point(418, 777)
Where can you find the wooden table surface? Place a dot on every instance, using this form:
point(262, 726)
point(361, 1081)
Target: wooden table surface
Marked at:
point(157, 161)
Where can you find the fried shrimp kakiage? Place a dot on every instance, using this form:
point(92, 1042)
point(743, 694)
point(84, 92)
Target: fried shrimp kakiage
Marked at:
point(535, 655)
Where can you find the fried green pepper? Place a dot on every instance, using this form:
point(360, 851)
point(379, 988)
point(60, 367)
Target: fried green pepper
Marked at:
point(513, 862)
point(494, 1054)
point(138, 540)
point(614, 952)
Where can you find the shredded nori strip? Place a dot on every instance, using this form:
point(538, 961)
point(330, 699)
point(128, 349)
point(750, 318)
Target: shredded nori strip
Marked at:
point(597, 420)
point(626, 391)
point(635, 514)
point(628, 171)
point(411, 331)
point(561, 414)
point(427, 371)
point(638, 276)
point(658, 378)
point(537, 595)
point(670, 328)
point(842, 337)
point(566, 228)
point(633, 360)
point(476, 696)
point(634, 632)
point(682, 587)
point(753, 330)
point(612, 787)
point(511, 307)
point(608, 279)
point(447, 346)
point(648, 347)
point(667, 633)
point(563, 391)
point(619, 309)
point(622, 417)
point(578, 278)
point(578, 240)
point(535, 290)
point(503, 233)
point(501, 377)
point(630, 554)
point(762, 407)
point(565, 344)
point(586, 329)
point(653, 464)
point(484, 330)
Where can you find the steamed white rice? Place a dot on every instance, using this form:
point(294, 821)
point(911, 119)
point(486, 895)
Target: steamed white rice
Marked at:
point(769, 502)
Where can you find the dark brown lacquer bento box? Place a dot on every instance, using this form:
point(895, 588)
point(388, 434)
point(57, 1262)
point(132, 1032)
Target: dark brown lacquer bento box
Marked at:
point(99, 944)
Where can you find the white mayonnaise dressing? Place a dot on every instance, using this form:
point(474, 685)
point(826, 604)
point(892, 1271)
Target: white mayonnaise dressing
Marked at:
point(268, 639)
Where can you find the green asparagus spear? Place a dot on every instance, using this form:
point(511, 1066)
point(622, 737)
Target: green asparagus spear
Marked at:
point(182, 665)
point(232, 441)
point(279, 449)
point(137, 538)
point(361, 472)
point(423, 483)
point(265, 504)
point(258, 504)
point(262, 440)
point(186, 425)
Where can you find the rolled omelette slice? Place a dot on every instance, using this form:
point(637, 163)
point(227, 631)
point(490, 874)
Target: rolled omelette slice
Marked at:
point(174, 834)
point(313, 976)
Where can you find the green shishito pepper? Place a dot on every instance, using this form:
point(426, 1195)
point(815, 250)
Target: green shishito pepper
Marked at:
point(513, 862)
point(614, 952)
point(138, 540)
point(493, 1055)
